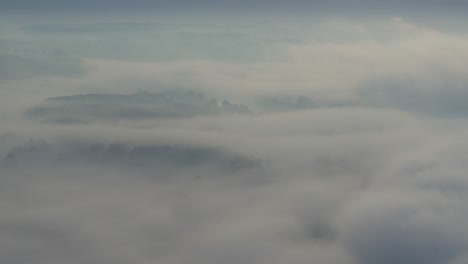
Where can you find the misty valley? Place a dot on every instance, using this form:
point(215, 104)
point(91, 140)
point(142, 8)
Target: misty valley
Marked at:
point(254, 132)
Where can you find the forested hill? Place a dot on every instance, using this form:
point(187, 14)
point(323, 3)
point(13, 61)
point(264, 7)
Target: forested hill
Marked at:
point(144, 105)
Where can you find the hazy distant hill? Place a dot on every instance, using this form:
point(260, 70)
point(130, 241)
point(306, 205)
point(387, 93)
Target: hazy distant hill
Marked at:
point(285, 103)
point(139, 157)
point(145, 105)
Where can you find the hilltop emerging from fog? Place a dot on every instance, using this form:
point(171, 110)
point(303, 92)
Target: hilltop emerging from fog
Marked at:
point(144, 105)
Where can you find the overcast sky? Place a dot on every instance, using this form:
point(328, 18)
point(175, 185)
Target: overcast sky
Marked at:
point(156, 3)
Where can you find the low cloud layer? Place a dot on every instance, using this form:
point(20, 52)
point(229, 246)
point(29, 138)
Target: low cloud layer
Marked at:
point(56, 63)
point(352, 152)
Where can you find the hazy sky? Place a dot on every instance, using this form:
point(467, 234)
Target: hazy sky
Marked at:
point(220, 3)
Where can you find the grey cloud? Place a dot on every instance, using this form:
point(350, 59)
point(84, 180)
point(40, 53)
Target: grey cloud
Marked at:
point(306, 207)
point(412, 214)
point(387, 229)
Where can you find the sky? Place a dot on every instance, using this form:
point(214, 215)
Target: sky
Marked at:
point(108, 4)
point(316, 134)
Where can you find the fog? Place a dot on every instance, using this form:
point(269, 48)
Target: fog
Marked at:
point(208, 136)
